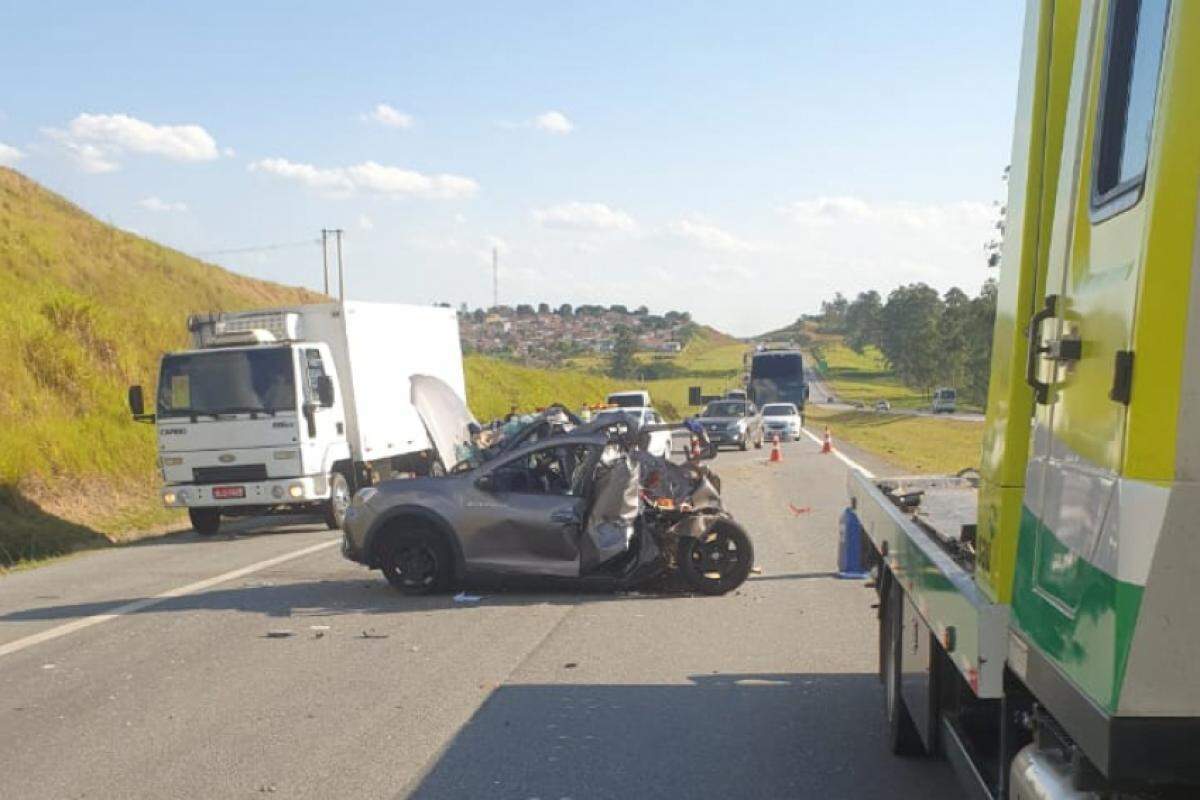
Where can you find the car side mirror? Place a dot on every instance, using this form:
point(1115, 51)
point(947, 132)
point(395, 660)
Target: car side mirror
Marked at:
point(485, 483)
point(137, 402)
point(325, 393)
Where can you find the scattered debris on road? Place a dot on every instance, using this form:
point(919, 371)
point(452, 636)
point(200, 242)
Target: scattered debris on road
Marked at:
point(756, 570)
point(570, 665)
point(370, 633)
point(463, 597)
point(280, 634)
point(799, 511)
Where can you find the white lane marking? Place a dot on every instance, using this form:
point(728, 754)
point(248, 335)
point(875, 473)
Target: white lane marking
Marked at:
point(146, 602)
point(845, 459)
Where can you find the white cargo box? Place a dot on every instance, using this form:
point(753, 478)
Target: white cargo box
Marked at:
point(377, 347)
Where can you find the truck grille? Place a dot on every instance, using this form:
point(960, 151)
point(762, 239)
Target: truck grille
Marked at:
point(235, 474)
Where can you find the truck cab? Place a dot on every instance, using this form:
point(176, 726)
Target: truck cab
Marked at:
point(248, 424)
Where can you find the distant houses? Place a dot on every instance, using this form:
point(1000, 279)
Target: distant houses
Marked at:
point(545, 337)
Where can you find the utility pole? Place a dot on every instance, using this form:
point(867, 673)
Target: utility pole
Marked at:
point(325, 258)
point(341, 272)
point(495, 277)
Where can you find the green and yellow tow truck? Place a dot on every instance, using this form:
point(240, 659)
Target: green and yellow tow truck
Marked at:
point(1040, 623)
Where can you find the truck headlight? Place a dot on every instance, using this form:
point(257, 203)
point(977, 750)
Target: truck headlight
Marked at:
point(168, 498)
point(172, 461)
point(296, 490)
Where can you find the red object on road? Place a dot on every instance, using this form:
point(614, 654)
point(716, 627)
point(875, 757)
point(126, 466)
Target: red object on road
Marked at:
point(776, 452)
point(827, 444)
point(799, 511)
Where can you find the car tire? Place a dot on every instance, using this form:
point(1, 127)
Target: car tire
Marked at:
point(902, 736)
point(416, 561)
point(205, 521)
point(334, 509)
point(744, 445)
point(706, 575)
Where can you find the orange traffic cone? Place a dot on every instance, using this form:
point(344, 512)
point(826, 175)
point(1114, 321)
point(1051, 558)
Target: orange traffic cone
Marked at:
point(827, 444)
point(776, 452)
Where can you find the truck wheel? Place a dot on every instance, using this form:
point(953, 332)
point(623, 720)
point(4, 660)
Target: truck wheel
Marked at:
point(902, 736)
point(416, 562)
point(338, 502)
point(205, 521)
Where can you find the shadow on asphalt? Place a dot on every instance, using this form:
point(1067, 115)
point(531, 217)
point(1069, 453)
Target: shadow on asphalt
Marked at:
point(366, 595)
point(720, 736)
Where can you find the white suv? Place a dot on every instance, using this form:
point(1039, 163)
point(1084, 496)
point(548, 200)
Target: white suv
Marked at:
point(781, 419)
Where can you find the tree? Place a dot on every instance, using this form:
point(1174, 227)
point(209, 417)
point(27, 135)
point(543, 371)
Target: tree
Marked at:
point(622, 363)
point(543, 308)
point(564, 310)
point(524, 310)
point(641, 311)
point(909, 335)
point(952, 336)
point(977, 362)
point(862, 320)
point(833, 314)
point(479, 315)
point(618, 309)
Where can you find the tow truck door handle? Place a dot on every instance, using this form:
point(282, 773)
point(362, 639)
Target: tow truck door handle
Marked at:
point(1041, 389)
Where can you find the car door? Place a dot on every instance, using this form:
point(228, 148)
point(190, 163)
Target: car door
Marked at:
point(519, 521)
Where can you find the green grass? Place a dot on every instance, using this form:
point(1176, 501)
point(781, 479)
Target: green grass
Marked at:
point(710, 360)
point(85, 311)
point(862, 377)
point(917, 445)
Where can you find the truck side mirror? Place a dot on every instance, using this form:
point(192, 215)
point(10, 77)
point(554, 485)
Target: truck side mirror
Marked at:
point(137, 402)
point(325, 391)
point(485, 483)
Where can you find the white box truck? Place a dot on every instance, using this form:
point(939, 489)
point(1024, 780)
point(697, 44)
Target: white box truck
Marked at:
point(291, 410)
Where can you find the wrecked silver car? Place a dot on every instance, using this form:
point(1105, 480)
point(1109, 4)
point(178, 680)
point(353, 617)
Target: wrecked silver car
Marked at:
point(581, 504)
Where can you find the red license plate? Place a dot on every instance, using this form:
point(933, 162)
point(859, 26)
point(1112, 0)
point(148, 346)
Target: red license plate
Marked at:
point(227, 492)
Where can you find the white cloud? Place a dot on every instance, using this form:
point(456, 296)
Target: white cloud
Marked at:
point(153, 203)
point(369, 176)
point(708, 236)
point(826, 210)
point(578, 216)
point(553, 122)
point(365, 223)
point(389, 117)
point(97, 141)
point(9, 155)
point(853, 210)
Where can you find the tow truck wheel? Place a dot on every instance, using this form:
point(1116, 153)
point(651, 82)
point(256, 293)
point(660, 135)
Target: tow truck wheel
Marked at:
point(338, 502)
point(205, 521)
point(902, 736)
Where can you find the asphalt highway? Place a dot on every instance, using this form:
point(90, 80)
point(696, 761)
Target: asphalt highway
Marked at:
point(263, 664)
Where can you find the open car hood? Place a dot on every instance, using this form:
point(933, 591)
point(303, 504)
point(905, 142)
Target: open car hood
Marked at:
point(445, 414)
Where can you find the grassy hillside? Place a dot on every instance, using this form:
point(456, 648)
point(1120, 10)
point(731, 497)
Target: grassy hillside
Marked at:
point(862, 377)
point(86, 310)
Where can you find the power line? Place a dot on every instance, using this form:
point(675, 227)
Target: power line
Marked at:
point(258, 248)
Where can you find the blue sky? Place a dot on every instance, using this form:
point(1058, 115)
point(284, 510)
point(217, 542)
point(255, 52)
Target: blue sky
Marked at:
point(742, 161)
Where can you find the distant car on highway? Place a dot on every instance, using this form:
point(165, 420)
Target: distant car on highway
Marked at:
point(782, 420)
point(944, 400)
point(631, 399)
point(735, 394)
point(883, 405)
point(659, 443)
point(734, 422)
